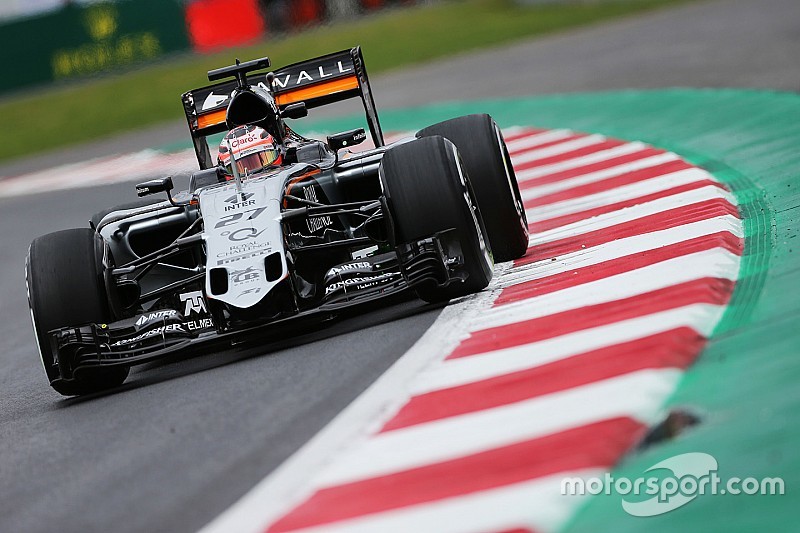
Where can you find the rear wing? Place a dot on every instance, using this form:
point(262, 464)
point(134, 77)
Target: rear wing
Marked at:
point(316, 82)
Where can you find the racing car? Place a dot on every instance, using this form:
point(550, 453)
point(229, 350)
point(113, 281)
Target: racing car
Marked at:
point(317, 231)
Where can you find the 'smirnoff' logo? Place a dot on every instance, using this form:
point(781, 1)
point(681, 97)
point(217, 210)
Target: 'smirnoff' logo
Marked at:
point(671, 484)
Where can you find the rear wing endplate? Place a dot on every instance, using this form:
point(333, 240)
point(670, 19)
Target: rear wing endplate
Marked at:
point(315, 82)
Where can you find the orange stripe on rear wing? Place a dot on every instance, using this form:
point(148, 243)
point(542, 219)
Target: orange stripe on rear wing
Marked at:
point(316, 82)
point(211, 119)
point(319, 90)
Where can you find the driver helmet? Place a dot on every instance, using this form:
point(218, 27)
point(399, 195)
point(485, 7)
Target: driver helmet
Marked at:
point(253, 150)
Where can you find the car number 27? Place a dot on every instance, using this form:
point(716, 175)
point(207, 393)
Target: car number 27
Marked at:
point(236, 217)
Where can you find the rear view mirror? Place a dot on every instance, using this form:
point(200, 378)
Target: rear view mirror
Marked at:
point(296, 110)
point(153, 186)
point(346, 138)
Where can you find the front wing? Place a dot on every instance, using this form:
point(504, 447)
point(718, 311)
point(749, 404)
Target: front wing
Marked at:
point(156, 334)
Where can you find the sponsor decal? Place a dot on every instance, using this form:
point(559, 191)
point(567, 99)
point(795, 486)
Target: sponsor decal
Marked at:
point(243, 234)
point(235, 250)
point(195, 303)
point(161, 330)
point(108, 47)
point(238, 201)
point(364, 252)
point(316, 223)
point(241, 257)
point(254, 290)
point(309, 76)
point(213, 100)
point(248, 138)
point(155, 315)
point(235, 198)
point(201, 323)
point(236, 217)
point(347, 267)
point(248, 275)
point(361, 282)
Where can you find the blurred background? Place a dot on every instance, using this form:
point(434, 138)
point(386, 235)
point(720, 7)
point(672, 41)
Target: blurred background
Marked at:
point(78, 71)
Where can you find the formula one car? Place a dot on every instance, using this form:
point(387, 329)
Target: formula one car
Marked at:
point(319, 230)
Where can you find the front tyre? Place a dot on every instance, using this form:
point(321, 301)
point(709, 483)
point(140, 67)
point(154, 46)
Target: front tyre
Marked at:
point(483, 150)
point(64, 274)
point(428, 191)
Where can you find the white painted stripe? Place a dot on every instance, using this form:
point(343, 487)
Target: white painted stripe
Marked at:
point(536, 139)
point(464, 435)
point(716, 263)
point(616, 249)
point(552, 168)
point(114, 169)
point(629, 214)
point(536, 504)
point(619, 194)
point(600, 175)
point(463, 370)
point(557, 149)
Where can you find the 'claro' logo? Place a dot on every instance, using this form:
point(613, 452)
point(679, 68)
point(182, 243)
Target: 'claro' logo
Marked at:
point(239, 141)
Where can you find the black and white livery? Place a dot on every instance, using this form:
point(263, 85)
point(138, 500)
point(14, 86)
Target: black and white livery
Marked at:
point(324, 230)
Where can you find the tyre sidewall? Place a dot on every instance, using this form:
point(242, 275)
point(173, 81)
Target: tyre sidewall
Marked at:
point(491, 172)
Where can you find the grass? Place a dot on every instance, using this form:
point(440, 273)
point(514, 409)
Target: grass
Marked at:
point(60, 116)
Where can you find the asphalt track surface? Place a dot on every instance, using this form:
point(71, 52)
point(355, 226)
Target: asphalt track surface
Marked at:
point(183, 439)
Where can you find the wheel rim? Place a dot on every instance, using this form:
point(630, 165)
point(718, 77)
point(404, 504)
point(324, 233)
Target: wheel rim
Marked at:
point(472, 206)
point(518, 205)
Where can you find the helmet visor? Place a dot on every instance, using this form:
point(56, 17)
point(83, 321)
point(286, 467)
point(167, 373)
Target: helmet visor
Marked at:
point(255, 162)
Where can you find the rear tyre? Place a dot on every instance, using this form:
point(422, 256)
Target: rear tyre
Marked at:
point(428, 191)
point(65, 279)
point(483, 150)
